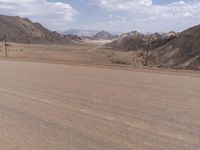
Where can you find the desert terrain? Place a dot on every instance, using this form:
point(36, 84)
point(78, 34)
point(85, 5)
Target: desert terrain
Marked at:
point(60, 92)
point(60, 97)
point(172, 50)
point(99, 75)
point(88, 52)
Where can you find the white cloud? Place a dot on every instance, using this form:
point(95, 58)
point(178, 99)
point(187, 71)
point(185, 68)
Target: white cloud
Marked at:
point(145, 16)
point(54, 15)
point(123, 15)
point(122, 4)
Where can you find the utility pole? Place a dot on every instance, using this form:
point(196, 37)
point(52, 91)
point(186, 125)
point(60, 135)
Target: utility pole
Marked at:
point(147, 53)
point(6, 50)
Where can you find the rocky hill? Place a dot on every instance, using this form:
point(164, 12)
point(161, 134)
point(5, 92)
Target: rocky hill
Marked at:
point(129, 41)
point(103, 35)
point(134, 40)
point(23, 30)
point(181, 52)
point(168, 50)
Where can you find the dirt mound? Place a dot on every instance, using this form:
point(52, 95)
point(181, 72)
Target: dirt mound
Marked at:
point(23, 30)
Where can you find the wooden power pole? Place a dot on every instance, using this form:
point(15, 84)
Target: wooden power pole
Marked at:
point(6, 50)
point(147, 54)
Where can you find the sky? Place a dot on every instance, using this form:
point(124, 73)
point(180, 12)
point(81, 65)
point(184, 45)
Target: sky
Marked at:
point(110, 15)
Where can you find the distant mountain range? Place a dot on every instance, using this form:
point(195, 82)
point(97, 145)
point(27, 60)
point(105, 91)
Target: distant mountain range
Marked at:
point(104, 35)
point(80, 32)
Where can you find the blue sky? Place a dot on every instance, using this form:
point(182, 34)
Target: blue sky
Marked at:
point(110, 15)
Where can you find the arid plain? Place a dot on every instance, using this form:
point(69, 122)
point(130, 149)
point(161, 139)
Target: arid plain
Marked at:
point(86, 52)
point(75, 97)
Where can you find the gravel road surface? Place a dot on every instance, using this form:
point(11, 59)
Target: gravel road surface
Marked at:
point(47, 106)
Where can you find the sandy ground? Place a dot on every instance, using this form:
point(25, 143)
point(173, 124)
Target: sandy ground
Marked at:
point(84, 53)
point(88, 52)
point(47, 106)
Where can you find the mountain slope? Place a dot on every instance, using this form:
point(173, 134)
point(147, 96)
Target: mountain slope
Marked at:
point(169, 50)
point(134, 40)
point(129, 41)
point(22, 30)
point(182, 52)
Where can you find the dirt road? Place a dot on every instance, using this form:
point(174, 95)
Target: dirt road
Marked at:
point(64, 107)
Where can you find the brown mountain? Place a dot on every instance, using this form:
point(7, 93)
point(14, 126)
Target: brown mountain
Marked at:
point(169, 50)
point(23, 30)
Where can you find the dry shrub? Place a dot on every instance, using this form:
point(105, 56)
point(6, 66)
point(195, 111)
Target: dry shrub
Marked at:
point(122, 58)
